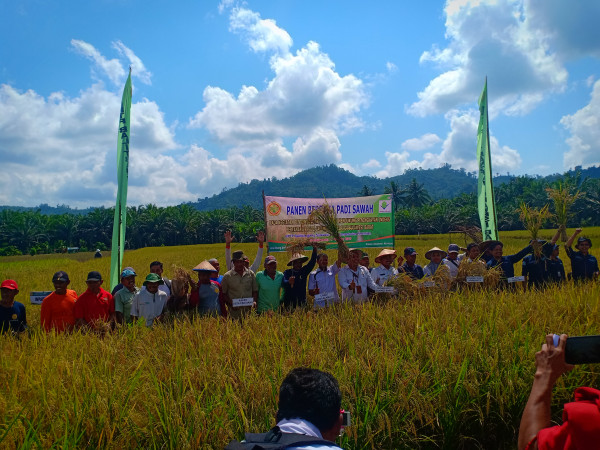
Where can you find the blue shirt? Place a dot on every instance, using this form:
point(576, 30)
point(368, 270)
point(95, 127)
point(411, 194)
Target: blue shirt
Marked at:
point(582, 266)
point(208, 300)
point(415, 272)
point(506, 263)
point(13, 319)
point(556, 270)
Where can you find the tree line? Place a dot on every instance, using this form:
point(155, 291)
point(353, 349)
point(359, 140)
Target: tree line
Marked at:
point(31, 232)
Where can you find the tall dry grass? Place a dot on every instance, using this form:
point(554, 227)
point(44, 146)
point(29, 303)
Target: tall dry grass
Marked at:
point(430, 372)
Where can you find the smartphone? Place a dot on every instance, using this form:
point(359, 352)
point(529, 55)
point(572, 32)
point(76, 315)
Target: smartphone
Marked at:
point(582, 350)
point(346, 418)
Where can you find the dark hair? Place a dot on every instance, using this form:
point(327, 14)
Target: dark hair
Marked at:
point(471, 245)
point(312, 395)
point(156, 263)
point(321, 255)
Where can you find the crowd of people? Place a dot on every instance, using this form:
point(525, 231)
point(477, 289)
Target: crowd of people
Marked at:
point(244, 288)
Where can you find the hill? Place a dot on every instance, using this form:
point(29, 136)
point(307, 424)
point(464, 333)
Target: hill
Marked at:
point(333, 181)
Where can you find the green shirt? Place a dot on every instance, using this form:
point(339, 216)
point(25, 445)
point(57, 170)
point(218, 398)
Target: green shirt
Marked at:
point(270, 291)
point(123, 299)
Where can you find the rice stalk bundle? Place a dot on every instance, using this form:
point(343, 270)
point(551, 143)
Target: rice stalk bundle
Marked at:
point(405, 285)
point(468, 268)
point(326, 218)
point(298, 245)
point(441, 278)
point(181, 281)
point(492, 277)
point(533, 219)
point(563, 200)
point(474, 233)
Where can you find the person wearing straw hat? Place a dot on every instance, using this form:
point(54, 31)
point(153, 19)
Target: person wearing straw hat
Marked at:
point(270, 287)
point(239, 283)
point(435, 256)
point(295, 278)
point(207, 294)
point(354, 279)
point(322, 280)
point(583, 265)
point(149, 303)
point(260, 238)
point(411, 267)
point(385, 270)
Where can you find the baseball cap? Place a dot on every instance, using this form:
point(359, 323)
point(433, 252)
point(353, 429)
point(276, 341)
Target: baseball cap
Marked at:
point(453, 248)
point(270, 259)
point(60, 276)
point(128, 272)
point(410, 251)
point(238, 255)
point(9, 284)
point(94, 276)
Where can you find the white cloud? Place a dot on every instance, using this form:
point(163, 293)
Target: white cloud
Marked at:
point(584, 127)
point(262, 35)
point(424, 142)
point(391, 67)
point(137, 66)
point(498, 39)
point(112, 68)
point(459, 149)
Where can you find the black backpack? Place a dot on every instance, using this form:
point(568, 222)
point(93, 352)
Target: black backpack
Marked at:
point(276, 439)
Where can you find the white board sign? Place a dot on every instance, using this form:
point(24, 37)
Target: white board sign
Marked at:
point(36, 297)
point(475, 279)
point(515, 279)
point(246, 301)
point(386, 290)
point(322, 300)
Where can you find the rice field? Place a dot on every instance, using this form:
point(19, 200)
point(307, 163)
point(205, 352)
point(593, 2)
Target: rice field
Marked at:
point(449, 371)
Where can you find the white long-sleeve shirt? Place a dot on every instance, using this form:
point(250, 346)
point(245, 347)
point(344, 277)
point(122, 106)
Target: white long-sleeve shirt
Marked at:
point(380, 274)
point(361, 277)
point(324, 280)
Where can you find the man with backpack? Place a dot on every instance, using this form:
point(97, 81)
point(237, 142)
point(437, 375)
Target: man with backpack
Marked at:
point(309, 415)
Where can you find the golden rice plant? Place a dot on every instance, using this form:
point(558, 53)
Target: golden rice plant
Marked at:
point(563, 198)
point(298, 245)
point(533, 219)
point(326, 218)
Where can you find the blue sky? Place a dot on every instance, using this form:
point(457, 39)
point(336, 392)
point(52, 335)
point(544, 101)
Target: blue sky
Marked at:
point(228, 91)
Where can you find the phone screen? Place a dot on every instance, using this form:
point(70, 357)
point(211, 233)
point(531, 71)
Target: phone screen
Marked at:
point(582, 350)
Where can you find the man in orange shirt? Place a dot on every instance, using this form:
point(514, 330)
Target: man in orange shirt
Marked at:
point(95, 307)
point(58, 308)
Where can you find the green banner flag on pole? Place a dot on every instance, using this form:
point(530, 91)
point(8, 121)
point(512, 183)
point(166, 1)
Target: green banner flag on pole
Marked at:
point(120, 221)
point(485, 188)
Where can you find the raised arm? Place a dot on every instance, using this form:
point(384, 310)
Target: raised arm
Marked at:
point(228, 239)
point(311, 263)
point(519, 256)
point(550, 365)
point(569, 243)
point(259, 254)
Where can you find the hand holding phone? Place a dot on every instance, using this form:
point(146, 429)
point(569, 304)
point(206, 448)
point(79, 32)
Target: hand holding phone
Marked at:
point(581, 349)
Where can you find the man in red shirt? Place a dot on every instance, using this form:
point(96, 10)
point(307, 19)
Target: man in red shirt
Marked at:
point(57, 311)
point(95, 307)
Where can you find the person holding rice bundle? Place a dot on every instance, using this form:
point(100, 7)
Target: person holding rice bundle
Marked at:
point(435, 256)
point(583, 265)
point(385, 270)
point(294, 279)
point(206, 295)
point(354, 279)
point(505, 263)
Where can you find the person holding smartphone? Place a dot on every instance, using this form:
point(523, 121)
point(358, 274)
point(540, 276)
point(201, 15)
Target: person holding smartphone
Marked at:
point(581, 418)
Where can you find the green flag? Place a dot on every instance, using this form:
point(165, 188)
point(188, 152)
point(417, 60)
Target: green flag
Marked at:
point(485, 189)
point(118, 237)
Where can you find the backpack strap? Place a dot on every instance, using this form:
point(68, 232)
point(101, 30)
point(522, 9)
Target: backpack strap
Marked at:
point(276, 439)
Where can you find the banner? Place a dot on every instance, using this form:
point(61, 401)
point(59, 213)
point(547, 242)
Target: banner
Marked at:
point(118, 237)
point(364, 221)
point(485, 190)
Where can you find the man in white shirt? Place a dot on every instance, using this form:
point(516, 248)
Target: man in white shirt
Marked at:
point(309, 415)
point(149, 303)
point(354, 279)
point(322, 280)
point(157, 268)
point(385, 270)
point(451, 261)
